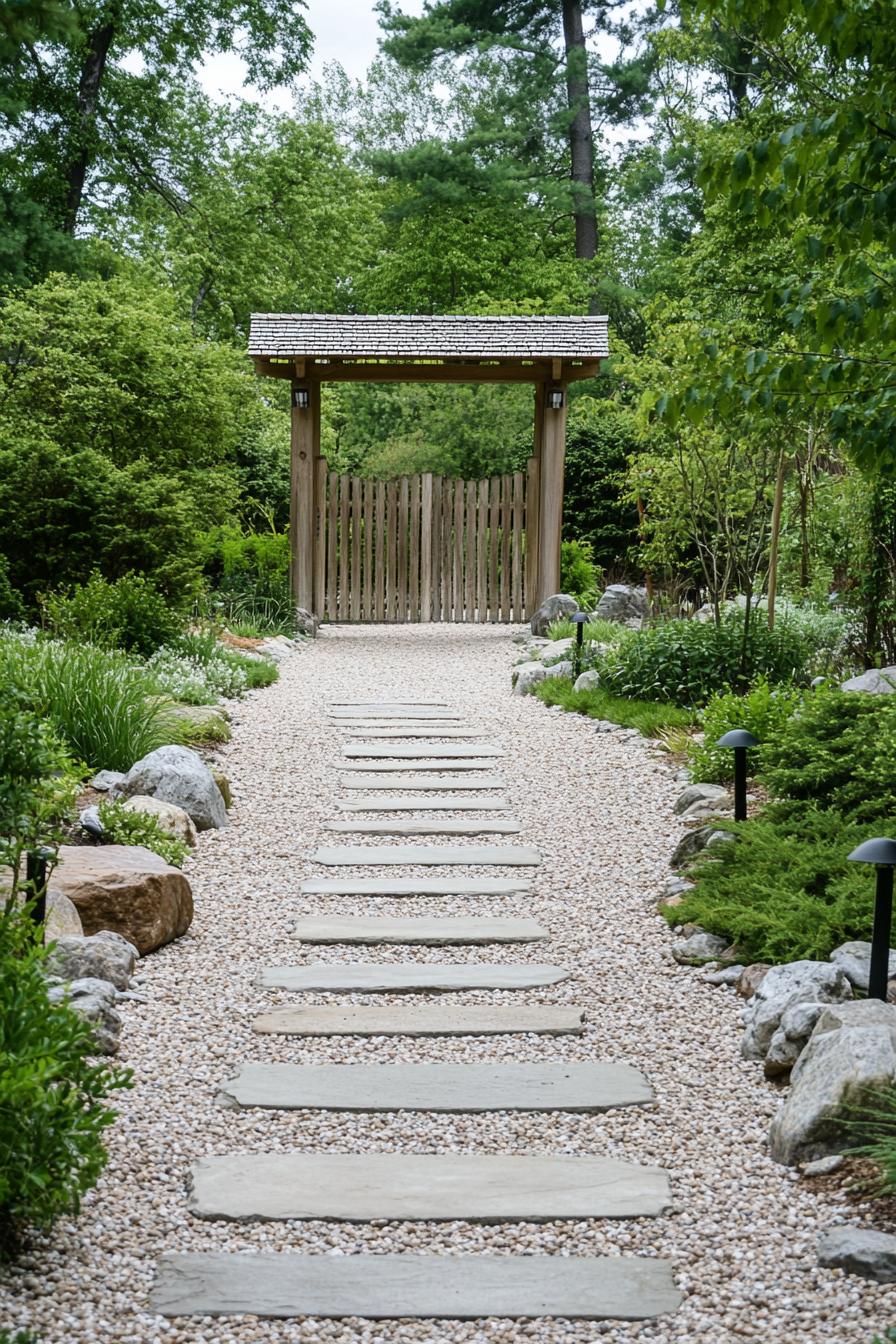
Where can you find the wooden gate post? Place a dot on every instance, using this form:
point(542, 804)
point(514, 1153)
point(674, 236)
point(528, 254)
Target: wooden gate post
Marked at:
point(304, 445)
point(550, 487)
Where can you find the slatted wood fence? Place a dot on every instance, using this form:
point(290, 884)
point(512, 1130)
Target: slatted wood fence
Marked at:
point(422, 548)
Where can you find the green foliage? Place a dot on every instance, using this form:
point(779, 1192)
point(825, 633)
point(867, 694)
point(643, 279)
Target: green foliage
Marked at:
point(596, 506)
point(688, 661)
point(785, 889)
point(874, 1129)
point(763, 711)
point(198, 670)
point(578, 573)
point(105, 709)
point(52, 1115)
point(20, 1337)
point(648, 716)
point(129, 613)
point(598, 631)
point(122, 826)
point(11, 607)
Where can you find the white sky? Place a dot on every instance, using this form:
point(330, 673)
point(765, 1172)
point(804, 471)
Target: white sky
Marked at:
point(344, 30)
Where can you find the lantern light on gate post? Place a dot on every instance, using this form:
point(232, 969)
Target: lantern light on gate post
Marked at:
point(555, 399)
point(740, 741)
point(580, 620)
point(882, 853)
point(301, 398)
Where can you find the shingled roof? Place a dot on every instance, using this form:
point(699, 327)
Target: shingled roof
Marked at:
point(332, 336)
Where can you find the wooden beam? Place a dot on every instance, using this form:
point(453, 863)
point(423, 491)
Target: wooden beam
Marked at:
point(550, 504)
point(454, 372)
point(304, 443)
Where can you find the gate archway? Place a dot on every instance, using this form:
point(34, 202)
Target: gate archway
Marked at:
point(426, 547)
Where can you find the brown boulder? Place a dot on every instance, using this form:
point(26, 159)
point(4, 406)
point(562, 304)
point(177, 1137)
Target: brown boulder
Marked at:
point(128, 889)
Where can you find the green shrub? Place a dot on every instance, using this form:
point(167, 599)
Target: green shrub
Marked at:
point(688, 661)
point(578, 573)
point(20, 1337)
point(106, 710)
point(785, 889)
point(198, 670)
point(129, 613)
point(762, 711)
point(648, 716)
point(839, 752)
point(125, 827)
point(51, 1093)
point(874, 1129)
point(600, 632)
point(11, 606)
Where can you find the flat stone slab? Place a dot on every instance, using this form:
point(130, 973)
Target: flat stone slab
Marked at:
point(427, 732)
point(433, 826)
point(383, 767)
point(421, 1019)
point(501, 856)
point(423, 782)
point(416, 750)
point(389, 706)
point(393, 978)
point(398, 802)
point(384, 1287)
point(355, 1187)
point(443, 1088)
point(426, 931)
point(415, 886)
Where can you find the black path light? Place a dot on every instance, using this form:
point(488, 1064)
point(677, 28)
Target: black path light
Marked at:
point(36, 881)
point(740, 741)
point(580, 620)
point(881, 852)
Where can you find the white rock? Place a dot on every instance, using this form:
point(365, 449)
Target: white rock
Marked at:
point(781, 988)
point(180, 776)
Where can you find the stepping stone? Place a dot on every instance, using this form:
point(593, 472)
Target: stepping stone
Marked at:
point(428, 732)
point(502, 856)
point(426, 931)
point(422, 715)
point(432, 782)
point(407, 978)
point(439, 1088)
point(417, 750)
point(430, 763)
point(415, 886)
point(384, 1287)
point(397, 802)
point(355, 1187)
point(421, 1020)
point(431, 827)
point(389, 706)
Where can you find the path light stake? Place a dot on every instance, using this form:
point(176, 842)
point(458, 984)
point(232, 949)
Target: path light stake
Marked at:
point(36, 880)
point(881, 852)
point(579, 620)
point(740, 741)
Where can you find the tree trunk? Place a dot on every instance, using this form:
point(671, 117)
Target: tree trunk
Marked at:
point(581, 136)
point(775, 542)
point(89, 84)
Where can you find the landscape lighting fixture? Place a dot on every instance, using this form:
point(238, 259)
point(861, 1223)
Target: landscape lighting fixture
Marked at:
point(882, 853)
point(740, 741)
point(301, 398)
point(555, 399)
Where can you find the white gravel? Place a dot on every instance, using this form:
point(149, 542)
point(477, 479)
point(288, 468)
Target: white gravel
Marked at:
point(598, 806)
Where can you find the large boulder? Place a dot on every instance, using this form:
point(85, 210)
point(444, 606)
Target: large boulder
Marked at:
point(93, 1000)
point(173, 820)
point(102, 956)
point(851, 1055)
point(623, 604)
point(859, 1250)
point(527, 676)
point(876, 681)
point(783, 987)
point(552, 609)
point(854, 959)
point(562, 669)
point(307, 624)
point(180, 776)
point(587, 681)
point(128, 889)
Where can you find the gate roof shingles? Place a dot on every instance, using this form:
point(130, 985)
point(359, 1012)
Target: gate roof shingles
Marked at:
point(334, 336)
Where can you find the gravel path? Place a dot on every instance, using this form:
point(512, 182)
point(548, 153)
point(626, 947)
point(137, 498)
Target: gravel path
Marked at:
point(598, 806)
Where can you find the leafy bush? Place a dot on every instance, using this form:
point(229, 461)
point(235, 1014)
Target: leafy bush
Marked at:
point(578, 573)
point(874, 1128)
point(600, 632)
point(840, 752)
point(595, 505)
point(785, 889)
point(688, 661)
point(762, 711)
point(125, 827)
point(106, 710)
point(11, 605)
point(647, 716)
point(51, 1094)
point(129, 613)
point(198, 670)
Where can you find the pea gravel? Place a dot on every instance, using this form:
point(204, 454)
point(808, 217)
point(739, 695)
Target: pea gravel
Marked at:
point(598, 807)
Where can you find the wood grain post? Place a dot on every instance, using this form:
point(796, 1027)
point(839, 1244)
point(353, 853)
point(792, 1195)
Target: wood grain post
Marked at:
point(304, 446)
point(550, 501)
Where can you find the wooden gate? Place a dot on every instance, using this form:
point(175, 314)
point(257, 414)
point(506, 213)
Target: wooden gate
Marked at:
point(423, 548)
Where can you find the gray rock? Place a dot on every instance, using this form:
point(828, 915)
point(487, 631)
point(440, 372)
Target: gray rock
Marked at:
point(553, 608)
point(172, 819)
point(781, 988)
point(691, 844)
point(562, 669)
point(558, 651)
point(180, 776)
point(624, 604)
point(851, 1054)
point(62, 919)
point(823, 1166)
point(93, 1000)
point(89, 818)
point(706, 809)
point(854, 959)
point(677, 886)
point(103, 956)
point(860, 1251)
point(790, 1039)
point(698, 793)
point(588, 680)
point(877, 681)
point(697, 949)
point(306, 623)
point(718, 839)
point(527, 678)
point(729, 975)
point(106, 779)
